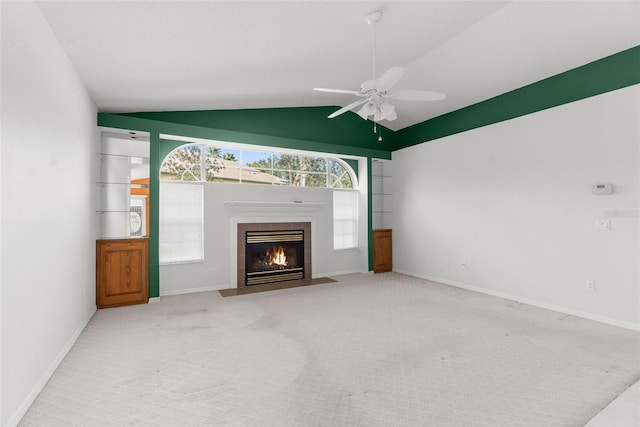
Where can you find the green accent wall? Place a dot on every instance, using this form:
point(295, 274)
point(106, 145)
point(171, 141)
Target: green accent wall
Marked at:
point(154, 216)
point(307, 125)
point(370, 210)
point(307, 128)
point(607, 74)
point(295, 128)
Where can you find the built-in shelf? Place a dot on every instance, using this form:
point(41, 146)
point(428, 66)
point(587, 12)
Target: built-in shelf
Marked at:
point(133, 159)
point(123, 205)
point(382, 192)
point(132, 185)
point(256, 205)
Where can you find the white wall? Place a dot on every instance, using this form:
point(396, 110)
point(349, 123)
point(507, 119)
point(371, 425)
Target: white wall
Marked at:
point(220, 221)
point(49, 223)
point(513, 203)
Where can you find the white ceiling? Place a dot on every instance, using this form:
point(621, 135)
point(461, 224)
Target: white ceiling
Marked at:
point(186, 55)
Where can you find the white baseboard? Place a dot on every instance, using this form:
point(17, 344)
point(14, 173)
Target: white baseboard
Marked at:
point(535, 303)
point(14, 420)
point(192, 290)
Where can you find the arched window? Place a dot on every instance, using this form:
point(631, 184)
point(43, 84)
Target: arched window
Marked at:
point(209, 163)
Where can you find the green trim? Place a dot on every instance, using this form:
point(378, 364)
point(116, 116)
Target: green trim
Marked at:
point(134, 123)
point(370, 210)
point(308, 128)
point(154, 220)
point(605, 75)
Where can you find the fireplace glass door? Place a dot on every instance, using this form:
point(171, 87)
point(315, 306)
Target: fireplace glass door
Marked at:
point(274, 256)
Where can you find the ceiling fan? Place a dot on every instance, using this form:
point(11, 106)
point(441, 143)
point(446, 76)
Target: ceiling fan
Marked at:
point(375, 92)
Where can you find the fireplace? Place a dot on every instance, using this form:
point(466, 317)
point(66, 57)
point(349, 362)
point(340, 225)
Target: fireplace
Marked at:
point(273, 252)
point(274, 256)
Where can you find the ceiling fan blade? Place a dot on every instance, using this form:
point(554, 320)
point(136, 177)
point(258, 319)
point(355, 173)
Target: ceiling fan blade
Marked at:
point(346, 108)
point(390, 78)
point(417, 95)
point(350, 92)
point(368, 85)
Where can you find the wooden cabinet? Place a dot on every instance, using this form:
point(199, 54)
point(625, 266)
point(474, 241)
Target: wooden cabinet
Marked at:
point(382, 251)
point(122, 272)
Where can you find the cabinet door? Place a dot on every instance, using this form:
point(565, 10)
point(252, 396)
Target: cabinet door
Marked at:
point(122, 272)
point(382, 253)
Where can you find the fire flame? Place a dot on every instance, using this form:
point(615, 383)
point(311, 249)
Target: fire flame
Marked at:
point(277, 256)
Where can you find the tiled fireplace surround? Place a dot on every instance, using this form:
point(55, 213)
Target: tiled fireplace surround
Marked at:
point(272, 226)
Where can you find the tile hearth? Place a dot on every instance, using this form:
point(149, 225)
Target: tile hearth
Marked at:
point(245, 290)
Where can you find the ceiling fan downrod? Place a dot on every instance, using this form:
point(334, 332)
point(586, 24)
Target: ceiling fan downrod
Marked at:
point(372, 19)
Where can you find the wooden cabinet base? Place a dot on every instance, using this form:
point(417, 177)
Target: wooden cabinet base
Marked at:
point(382, 251)
point(122, 272)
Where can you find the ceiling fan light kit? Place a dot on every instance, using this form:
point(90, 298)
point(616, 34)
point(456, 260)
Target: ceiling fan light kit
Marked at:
point(374, 92)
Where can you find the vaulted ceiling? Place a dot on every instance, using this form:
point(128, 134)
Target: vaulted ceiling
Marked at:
point(169, 56)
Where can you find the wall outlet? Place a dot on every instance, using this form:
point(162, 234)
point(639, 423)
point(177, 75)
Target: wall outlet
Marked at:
point(447, 262)
point(603, 225)
point(590, 285)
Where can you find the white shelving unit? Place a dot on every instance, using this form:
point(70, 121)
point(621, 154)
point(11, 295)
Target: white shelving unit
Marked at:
point(123, 157)
point(382, 191)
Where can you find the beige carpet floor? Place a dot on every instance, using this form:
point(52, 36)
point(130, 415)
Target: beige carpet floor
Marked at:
point(368, 350)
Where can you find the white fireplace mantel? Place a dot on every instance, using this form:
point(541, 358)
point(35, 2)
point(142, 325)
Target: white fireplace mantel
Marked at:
point(273, 206)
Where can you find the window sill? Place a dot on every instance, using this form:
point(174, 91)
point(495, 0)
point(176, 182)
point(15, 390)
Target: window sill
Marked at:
point(356, 249)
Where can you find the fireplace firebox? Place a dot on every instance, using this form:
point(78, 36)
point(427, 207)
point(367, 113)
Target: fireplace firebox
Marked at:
point(274, 256)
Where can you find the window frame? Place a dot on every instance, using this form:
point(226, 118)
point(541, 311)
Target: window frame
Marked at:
point(330, 178)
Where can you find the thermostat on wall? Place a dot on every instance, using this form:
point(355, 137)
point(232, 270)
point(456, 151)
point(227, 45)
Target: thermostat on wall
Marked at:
point(602, 189)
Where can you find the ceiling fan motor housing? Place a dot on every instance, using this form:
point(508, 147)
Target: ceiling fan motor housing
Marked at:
point(373, 17)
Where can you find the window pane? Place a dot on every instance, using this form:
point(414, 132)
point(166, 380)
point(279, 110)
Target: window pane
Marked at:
point(313, 164)
point(339, 177)
point(286, 162)
point(258, 160)
point(183, 164)
point(222, 165)
point(313, 179)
